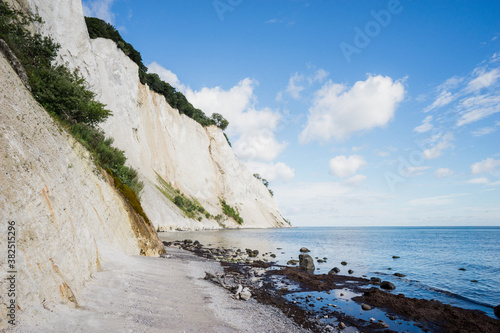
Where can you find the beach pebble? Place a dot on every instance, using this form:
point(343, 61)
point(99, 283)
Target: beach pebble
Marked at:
point(343, 263)
point(245, 294)
point(304, 250)
point(387, 285)
point(342, 325)
point(372, 319)
point(350, 271)
point(366, 307)
point(392, 318)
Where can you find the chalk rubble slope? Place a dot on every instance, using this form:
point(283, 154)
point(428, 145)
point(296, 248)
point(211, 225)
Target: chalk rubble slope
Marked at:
point(157, 140)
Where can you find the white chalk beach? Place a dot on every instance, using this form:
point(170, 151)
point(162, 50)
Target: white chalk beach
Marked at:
point(144, 294)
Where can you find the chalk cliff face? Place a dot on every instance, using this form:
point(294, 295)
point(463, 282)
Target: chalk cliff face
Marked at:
point(157, 140)
point(67, 213)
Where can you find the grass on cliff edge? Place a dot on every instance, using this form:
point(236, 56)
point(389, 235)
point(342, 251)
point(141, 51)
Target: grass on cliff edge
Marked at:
point(98, 28)
point(64, 94)
point(191, 207)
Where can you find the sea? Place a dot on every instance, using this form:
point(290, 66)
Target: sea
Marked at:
point(455, 265)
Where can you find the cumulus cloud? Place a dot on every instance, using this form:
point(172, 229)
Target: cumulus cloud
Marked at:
point(443, 142)
point(426, 125)
point(100, 9)
point(252, 131)
point(443, 173)
point(488, 165)
point(342, 166)
point(339, 111)
point(166, 75)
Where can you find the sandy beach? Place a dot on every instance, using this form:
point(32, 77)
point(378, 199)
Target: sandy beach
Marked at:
point(144, 294)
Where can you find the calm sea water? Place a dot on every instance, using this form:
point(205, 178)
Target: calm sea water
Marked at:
point(430, 257)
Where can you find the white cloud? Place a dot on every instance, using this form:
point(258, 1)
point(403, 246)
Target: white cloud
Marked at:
point(338, 111)
point(483, 131)
point(100, 9)
point(488, 165)
point(451, 83)
point(426, 125)
point(435, 201)
point(476, 108)
point(167, 76)
point(272, 171)
point(294, 88)
point(415, 171)
point(443, 173)
point(319, 76)
point(479, 181)
point(443, 99)
point(438, 149)
point(381, 153)
point(252, 130)
point(483, 80)
point(342, 166)
point(474, 97)
point(355, 180)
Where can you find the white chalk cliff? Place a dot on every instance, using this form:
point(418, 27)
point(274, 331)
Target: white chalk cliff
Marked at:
point(69, 216)
point(157, 140)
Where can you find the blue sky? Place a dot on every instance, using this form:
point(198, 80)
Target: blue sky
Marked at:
point(357, 112)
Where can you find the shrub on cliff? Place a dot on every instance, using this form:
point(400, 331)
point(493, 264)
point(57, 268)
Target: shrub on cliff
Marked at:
point(64, 94)
point(98, 28)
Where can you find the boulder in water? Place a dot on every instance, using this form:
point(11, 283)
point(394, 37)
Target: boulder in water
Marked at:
point(304, 250)
point(334, 270)
point(387, 285)
point(306, 263)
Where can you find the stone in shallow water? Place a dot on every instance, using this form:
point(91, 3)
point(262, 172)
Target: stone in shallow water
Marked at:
point(334, 270)
point(306, 263)
point(304, 250)
point(366, 307)
point(387, 285)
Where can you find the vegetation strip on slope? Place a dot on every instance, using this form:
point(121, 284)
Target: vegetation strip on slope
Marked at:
point(98, 28)
point(64, 94)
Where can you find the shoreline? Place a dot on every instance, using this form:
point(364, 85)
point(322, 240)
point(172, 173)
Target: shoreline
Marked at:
point(286, 287)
